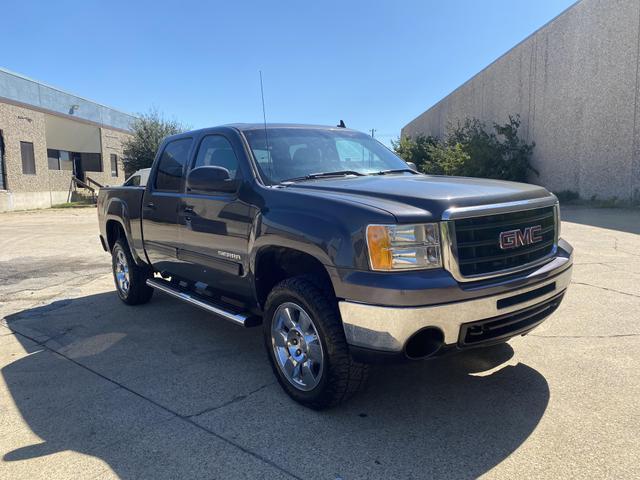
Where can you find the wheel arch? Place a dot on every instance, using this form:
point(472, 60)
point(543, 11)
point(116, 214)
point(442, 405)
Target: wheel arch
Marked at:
point(273, 264)
point(114, 230)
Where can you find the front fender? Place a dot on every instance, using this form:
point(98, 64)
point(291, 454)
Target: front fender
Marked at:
point(326, 238)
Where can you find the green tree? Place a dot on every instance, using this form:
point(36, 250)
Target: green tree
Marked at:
point(149, 129)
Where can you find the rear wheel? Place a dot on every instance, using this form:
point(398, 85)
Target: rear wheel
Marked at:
point(307, 348)
point(130, 279)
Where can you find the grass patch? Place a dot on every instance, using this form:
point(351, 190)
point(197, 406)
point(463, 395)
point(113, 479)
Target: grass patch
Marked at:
point(73, 205)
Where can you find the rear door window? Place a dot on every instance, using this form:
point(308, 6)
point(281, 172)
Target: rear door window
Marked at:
point(172, 165)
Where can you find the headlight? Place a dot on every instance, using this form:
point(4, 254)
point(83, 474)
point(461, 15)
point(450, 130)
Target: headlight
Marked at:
point(404, 247)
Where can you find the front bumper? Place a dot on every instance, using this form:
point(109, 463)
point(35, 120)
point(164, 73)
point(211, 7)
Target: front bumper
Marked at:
point(386, 329)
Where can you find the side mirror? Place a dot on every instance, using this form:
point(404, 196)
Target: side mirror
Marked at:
point(210, 180)
point(412, 166)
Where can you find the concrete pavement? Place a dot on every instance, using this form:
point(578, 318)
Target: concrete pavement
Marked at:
point(91, 388)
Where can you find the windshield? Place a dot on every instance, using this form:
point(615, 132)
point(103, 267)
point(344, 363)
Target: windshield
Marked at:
point(295, 153)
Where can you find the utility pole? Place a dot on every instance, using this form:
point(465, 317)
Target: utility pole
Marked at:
point(373, 131)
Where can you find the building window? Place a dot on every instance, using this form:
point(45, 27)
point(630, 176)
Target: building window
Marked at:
point(59, 159)
point(91, 162)
point(28, 158)
point(114, 165)
point(3, 179)
point(53, 157)
point(65, 160)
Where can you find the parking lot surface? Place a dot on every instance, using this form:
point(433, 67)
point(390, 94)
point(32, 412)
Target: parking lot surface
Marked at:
point(91, 388)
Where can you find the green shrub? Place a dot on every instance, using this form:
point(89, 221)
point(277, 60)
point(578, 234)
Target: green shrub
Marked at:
point(449, 160)
point(416, 150)
point(567, 195)
point(469, 149)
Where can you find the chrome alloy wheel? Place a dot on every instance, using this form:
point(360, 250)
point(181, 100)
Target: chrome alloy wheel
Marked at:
point(122, 272)
point(296, 346)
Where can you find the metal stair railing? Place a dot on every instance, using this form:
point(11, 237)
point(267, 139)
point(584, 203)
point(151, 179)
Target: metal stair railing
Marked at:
point(92, 181)
point(76, 182)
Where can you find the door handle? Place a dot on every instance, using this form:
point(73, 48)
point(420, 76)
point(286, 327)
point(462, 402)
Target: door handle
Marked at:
point(188, 211)
point(151, 205)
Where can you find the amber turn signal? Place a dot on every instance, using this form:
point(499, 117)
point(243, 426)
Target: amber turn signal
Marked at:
point(379, 245)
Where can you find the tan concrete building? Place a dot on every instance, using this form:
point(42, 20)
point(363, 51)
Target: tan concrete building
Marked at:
point(48, 136)
point(576, 85)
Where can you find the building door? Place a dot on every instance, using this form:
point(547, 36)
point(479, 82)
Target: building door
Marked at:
point(78, 171)
point(3, 171)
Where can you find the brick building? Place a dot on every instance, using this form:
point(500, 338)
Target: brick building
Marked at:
point(47, 136)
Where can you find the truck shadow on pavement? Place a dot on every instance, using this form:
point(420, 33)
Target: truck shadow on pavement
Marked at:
point(166, 391)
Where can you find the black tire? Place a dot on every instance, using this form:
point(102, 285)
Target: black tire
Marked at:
point(341, 376)
point(138, 292)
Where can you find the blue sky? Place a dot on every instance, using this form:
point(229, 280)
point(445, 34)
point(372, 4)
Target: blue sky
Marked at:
point(373, 64)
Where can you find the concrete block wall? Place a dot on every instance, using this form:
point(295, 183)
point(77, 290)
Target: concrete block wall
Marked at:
point(23, 125)
point(112, 142)
point(575, 84)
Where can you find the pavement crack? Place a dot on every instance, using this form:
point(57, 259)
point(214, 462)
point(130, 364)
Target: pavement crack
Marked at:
point(59, 335)
point(189, 420)
point(618, 249)
point(236, 399)
point(76, 281)
point(42, 310)
point(606, 288)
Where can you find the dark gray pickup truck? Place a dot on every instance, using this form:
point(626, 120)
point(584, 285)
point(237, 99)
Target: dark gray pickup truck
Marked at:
point(343, 253)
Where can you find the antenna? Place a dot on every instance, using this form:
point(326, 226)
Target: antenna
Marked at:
point(264, 119)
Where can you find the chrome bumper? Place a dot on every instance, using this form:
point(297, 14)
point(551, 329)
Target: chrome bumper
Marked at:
point(388, 328)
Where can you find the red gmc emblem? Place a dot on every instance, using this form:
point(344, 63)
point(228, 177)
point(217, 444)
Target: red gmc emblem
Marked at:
point(520, 238)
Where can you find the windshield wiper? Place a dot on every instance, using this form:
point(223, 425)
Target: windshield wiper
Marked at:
point(395, 170)
point(311, 176)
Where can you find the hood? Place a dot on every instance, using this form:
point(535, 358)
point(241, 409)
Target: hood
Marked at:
point(408, 197)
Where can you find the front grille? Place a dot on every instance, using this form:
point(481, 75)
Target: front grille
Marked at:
point(500, 328)
point(478, 241)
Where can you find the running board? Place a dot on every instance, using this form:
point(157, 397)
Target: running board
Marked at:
point(200, 302)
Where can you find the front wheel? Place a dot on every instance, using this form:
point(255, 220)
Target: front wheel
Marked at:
point(307, 348)
point(130, 279)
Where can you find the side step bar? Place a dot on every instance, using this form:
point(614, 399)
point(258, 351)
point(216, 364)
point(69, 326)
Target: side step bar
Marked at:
point(203, 303)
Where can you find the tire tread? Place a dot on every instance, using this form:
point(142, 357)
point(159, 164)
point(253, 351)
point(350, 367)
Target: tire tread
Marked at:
point(139, 291)
point(346, 376)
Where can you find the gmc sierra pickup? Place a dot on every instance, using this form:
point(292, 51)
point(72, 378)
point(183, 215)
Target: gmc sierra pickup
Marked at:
point(343, 253)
